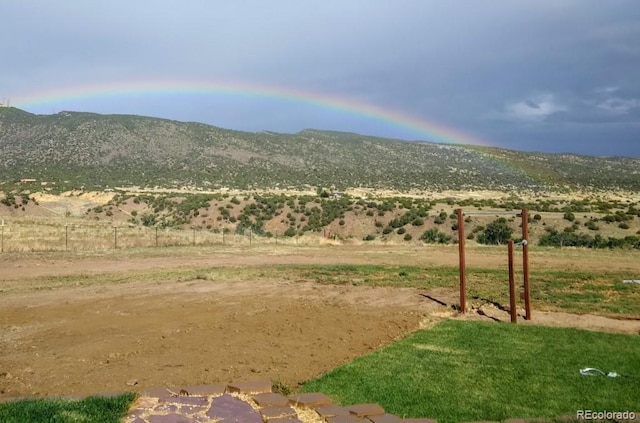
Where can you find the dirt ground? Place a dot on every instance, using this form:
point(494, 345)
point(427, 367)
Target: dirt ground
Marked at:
point(100, 338)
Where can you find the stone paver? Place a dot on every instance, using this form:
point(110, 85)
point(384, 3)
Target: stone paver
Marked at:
point(227, 406)
point(385, 418)
point(332, 411)
point(365, 410)
point(346, 419)
point(314, 399)
point(270, 400)
point(170, 418)
point(253, 387)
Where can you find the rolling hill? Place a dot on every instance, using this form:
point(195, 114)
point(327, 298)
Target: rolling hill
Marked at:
point(75, 149)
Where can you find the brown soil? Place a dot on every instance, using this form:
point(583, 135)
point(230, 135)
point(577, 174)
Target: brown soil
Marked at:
point(96, 338)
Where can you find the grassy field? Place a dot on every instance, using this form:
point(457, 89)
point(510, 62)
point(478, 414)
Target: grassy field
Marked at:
point(92, 409)
point(571, 290)
point(463, 371)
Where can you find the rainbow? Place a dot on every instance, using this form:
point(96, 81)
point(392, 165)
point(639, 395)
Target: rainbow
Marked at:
point(430, 130)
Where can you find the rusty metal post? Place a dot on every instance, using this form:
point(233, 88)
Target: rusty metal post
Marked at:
point(512, 286)
point(463, 276)
point(525, 263)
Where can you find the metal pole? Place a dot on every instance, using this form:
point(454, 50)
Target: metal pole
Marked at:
point(525, 263)
point(2, 239)
point(512, 286)
point(223, 231)
point(66, 237)
point(194, 236)
point(115, 237)
point(156, 236)
point(461, 239)
point(276, 237)
point(249, 237)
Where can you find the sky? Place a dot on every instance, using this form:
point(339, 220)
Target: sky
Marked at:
point(547, 75)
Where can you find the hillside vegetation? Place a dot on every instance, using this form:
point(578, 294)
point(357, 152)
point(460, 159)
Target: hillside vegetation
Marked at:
point(40, 221)
point(70, 150)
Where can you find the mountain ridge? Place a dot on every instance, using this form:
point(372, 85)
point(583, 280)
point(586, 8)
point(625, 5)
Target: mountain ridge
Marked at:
point(98, 151)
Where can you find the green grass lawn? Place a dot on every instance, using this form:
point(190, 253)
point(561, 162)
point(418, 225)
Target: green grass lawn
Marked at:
point(462, 370)
point(88, 410)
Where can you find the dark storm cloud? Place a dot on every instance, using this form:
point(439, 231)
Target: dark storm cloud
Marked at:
point(552, 73)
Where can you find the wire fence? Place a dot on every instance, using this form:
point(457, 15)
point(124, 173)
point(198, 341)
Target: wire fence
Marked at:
point(59, 236)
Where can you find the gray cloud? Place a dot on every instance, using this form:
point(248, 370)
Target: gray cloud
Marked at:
point(556, 74)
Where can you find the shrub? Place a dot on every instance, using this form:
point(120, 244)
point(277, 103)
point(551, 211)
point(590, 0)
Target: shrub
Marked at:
point(341, 222)
point(591, 225)
point(497, 232)
point(537, 217)
point(369, 237)
point(569, 216)
point(433, 235)
point(290, 232)
point(623, 225)
point(401, 231)
point(148, 219)
point(408, 237)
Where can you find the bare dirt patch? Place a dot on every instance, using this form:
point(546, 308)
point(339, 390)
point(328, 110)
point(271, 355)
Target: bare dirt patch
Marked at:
point(95, 339)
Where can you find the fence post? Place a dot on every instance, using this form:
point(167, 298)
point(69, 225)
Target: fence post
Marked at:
point(223, 231)
point(156, 236)
point(249, 236)
point(463, 276)
point(2, 238)
point(512, 285)
point(525, 263)
point(276, 237)
point(194, 236)
point(115, 237)
point(66, 236)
